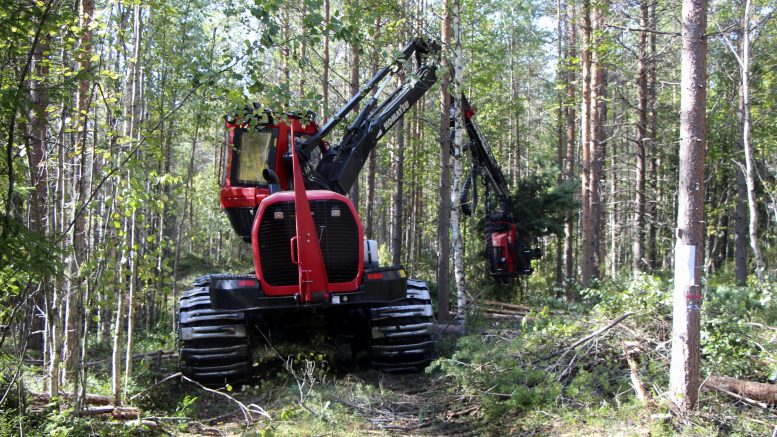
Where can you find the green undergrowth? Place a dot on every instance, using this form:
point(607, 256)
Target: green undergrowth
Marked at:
point(502, 378)
point(529, 377)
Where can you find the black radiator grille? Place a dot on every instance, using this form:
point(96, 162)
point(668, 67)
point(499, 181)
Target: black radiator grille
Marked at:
point(337, 235)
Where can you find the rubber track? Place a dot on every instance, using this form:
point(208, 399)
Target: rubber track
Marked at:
point(402, 331)
point(214, 347)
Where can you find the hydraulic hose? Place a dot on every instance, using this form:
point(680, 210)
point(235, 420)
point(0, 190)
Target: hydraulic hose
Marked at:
point(464, 203)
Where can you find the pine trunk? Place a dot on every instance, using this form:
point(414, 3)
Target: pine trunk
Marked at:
point(684, 369)
point(587, 231)
point(598, 114)
point(444, 210)
point(354, 90)
point(560, 143)
point(39, 136)
point(652, 247)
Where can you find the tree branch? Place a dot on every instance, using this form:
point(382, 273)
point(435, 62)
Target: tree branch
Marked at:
point(246, 410)
point(633, 29)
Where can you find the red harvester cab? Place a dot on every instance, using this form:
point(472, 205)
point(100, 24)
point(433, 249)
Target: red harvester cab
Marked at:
point(254, 163)
point(257, 193)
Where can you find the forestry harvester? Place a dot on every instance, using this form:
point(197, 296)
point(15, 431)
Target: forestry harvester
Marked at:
point(283, 189)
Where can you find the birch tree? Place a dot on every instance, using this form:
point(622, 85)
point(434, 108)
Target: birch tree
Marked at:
point(743, 58)
point(458, 170)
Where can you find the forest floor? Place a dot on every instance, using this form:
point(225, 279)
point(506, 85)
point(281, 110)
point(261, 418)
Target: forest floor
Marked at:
point(359, 403)
point(364, 402)
point(515, 373)
point(309, 397)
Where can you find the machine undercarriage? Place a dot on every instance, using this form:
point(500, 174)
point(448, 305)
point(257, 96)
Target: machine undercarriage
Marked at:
point(216, 345)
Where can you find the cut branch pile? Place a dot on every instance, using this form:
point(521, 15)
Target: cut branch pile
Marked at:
point(501, 310)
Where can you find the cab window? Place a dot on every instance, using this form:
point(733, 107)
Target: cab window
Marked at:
point(254, 152)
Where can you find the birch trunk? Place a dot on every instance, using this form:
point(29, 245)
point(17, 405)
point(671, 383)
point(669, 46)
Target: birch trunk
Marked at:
point(740, 219)
point(77, 313)
point(613, 213)
point(118, 329)
point(458, 170)
point(57, 313)
point(130, 302)
point(128, 131)
point(325, 75)
point(752, 204)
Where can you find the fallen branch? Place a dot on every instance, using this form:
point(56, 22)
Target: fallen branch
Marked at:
point(473, 409)
point(588, 338)
point(600, 331)
point(753, 393)
point(245, 409)
point(508, 312)
point(505, 306)
point(174, 375)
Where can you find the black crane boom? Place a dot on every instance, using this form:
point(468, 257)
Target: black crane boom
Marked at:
point(340, 166)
